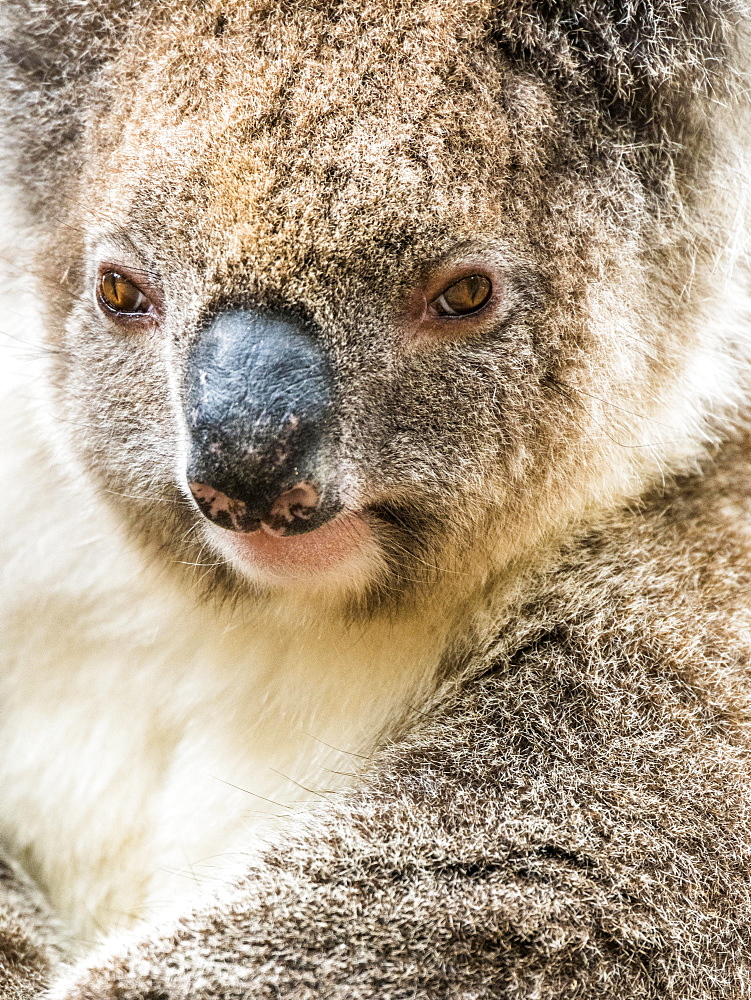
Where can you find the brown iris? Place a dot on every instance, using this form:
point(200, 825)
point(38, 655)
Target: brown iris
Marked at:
point(121, 295)
point(464, 297)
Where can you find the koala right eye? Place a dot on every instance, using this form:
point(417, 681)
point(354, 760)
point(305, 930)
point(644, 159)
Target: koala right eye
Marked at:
point(118, 294)
point(464, 297)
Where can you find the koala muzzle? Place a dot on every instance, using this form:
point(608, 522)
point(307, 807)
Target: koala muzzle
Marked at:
point(259, 412)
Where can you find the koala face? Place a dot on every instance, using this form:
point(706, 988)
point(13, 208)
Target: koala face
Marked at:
point(357, 304)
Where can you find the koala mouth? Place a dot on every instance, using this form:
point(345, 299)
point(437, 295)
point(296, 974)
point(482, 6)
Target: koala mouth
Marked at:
point(345, 544)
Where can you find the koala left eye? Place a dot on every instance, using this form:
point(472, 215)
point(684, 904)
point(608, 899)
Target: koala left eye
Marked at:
point(464, 297)
point(121, 296)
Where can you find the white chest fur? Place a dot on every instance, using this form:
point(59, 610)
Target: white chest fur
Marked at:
point(142, 737)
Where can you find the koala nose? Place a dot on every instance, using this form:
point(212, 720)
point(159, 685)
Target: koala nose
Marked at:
point(259, 412)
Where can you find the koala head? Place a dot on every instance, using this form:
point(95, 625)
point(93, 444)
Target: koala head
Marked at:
point(372, 299)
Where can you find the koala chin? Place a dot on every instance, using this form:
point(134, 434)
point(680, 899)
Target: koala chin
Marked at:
point(375, 565)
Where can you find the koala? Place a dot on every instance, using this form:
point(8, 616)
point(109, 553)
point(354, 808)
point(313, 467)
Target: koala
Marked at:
point(375, 550)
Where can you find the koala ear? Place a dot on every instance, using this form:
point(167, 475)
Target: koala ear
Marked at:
point(50, 52)
point(633, 56)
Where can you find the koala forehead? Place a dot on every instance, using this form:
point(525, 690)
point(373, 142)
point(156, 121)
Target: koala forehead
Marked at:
point(282, 137)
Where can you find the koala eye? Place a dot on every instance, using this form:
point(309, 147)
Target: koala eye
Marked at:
point(120, 295)
point(464, 297)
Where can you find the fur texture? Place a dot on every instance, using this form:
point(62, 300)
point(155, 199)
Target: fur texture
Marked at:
point(32, 941)
point(569, 818)
point(534, 674)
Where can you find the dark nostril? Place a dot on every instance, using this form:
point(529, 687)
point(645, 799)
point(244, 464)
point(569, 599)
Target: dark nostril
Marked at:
point(287, 514)
point(298, 504)
point(223, 510)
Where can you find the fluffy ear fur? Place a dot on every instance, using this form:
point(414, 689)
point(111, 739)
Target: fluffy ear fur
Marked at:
point(634, 54)
point(50, 52)
point(647, 77)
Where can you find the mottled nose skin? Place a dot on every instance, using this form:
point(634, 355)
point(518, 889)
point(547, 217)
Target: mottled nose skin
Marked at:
point(259, 412)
